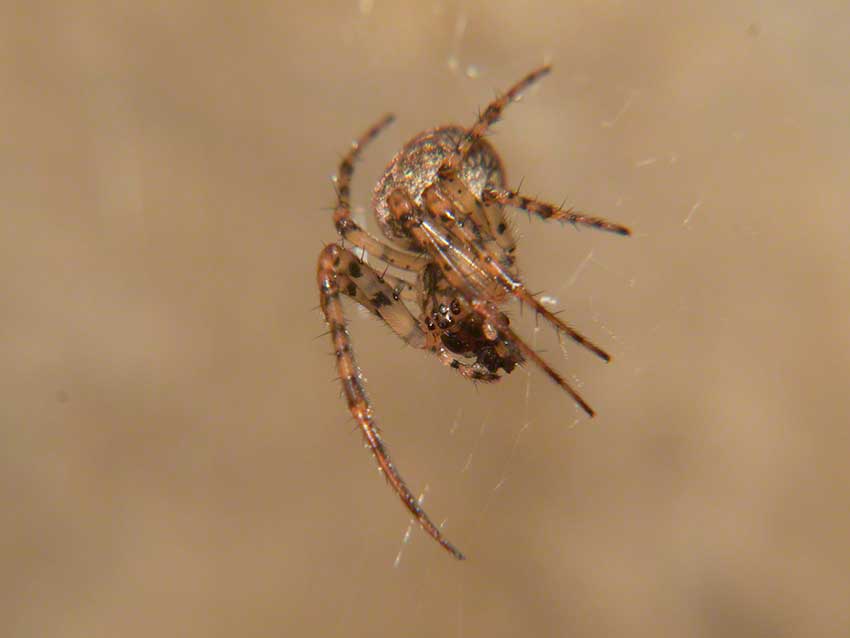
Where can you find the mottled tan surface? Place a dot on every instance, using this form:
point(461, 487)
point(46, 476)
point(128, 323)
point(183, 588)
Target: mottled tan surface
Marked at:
point(175, 460)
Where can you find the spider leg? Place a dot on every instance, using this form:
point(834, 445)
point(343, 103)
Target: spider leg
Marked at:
point(497, 319)
point(363, 284)
point(360, 281)
point(346, 226)
point(350, 230)
point(402, 289)
point(518, 290)
point(464, 263)
point(493, 261)
point(550, 211)
point(346, 164)
point(523, 295)
point(458, 210)
point(329, 275)
point(500, 227)
point(490, 115)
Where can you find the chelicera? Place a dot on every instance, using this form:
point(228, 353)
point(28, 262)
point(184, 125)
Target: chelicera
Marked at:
point(441, 204)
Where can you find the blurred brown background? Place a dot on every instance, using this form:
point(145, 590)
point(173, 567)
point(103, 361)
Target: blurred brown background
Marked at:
point(176, 459)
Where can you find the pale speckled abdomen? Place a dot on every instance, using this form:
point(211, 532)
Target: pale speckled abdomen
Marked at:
point(415, 167)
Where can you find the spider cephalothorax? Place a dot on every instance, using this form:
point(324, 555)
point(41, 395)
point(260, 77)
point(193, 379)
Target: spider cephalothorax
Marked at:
point(441, 202)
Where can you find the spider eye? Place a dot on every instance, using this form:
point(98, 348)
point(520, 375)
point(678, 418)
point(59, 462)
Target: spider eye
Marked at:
point(455, 307)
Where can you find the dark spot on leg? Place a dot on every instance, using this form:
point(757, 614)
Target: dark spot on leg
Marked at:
point(380, 299)
point(351, 289)
point(355, 270)
point(501, 228)
point(455, 363)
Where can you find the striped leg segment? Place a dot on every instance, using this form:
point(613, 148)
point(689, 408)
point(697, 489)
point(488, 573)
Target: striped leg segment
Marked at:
point(489, 312)
point(359, 281)
point(346, 164)
point(330, 260)
point(526, 297)
point(490, 115)
point(549, 211)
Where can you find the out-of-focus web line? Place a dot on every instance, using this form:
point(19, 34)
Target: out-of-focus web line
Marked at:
point(610, 123)
point(474, 447)
point(552, 300)
point(526, 424)
point(407, 534)
point(687, 219)
point(453, 61)
point(456, 421)
point(577, 273)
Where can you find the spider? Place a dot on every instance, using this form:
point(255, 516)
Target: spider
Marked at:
point(441, 203)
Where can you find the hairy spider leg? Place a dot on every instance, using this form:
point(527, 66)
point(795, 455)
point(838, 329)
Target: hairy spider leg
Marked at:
point(492, 314)
point(347, 227)
point(526, 297)
point(490, 115)
point(362, 283)
point(358, 280)
point(346, 164)
point(473, 228)
point(488, 215)
point(466, 270)
point(550, 211)
point(503, 230)
point(492, 260)
point(358, 403)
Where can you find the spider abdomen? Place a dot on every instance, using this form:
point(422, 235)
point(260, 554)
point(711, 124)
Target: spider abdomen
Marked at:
point(415, 168)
